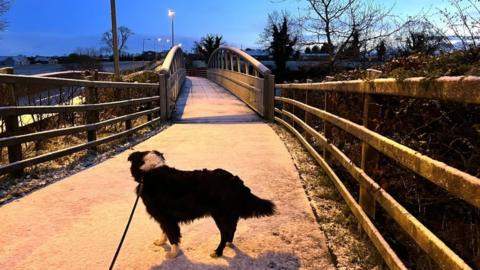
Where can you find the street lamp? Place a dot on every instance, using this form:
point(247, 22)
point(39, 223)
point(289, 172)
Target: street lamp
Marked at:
point(155, 40)
point(143, 45)
point(116, 65)
point(160, 45)
point(171, 14)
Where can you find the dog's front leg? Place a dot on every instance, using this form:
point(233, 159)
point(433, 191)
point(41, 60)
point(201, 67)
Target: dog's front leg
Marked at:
point(162, 240)
point(172, 230)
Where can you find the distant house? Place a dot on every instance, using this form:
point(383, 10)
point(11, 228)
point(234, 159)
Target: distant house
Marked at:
point(199, 64)
point(258, 54)
point(12, 61)
point(44, 60)
point(314, 56)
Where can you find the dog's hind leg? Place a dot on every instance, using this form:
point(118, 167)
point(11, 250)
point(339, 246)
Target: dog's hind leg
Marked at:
point(223, 225)
point(231, 231)
point(172, 230)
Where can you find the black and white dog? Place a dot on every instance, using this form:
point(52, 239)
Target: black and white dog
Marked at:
point(173, 196)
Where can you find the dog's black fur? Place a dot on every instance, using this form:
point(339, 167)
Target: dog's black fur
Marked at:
point(173, 196)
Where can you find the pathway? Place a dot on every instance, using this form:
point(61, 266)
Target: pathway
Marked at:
point(76, 223)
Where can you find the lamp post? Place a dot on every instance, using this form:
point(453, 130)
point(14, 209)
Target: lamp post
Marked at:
point(116, 65)
point(171, 14)
point(159, 48)
point(143, 45)
point(143, 50)
point(159, 44)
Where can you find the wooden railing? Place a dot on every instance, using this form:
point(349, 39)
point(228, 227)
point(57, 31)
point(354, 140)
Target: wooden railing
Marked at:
point(96, 104)
point(173, 74)
point(76, 74)
point(454, 181)
point(245, 77)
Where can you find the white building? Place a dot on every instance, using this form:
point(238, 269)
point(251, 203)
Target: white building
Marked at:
point(12, 61)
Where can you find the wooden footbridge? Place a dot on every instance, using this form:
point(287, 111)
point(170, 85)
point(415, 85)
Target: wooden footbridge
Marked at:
point(221, 121)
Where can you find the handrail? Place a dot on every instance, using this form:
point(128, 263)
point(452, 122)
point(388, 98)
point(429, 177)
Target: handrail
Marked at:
point(262, 69)
point(454, 181)
point(169, 64)
point(245, 77)
point(172, 75)
point(447, 88)
point(70, 73)
point(34, 80)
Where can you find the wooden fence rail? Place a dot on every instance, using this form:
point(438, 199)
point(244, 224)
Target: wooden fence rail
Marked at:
point(125, 103)
point(454, 181)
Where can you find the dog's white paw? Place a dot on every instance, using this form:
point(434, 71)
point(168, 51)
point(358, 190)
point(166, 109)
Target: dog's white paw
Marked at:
point(215, 255)
point(160, 242)
point(173, 253)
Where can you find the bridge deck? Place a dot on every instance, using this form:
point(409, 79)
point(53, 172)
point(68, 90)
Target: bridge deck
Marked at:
point(203, 101)
point(76, 223)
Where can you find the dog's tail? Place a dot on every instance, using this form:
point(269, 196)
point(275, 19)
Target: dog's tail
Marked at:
point(257, 207)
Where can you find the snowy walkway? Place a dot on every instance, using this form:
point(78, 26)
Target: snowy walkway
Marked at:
point(76, 223)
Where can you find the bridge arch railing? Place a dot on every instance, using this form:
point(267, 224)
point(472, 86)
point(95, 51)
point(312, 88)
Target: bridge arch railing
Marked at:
point(172, 75)
point(245, 77)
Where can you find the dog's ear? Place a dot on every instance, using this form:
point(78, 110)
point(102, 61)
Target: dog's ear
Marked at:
point(135, 156)
point(159, 154)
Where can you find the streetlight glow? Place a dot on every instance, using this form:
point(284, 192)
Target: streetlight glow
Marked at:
point(171, 13)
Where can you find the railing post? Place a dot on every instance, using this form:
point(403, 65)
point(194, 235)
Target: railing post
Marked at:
point(163, 97)
point(150, 105)
point(293, 91)
point(92, 116)
point(226, 60)
point(370, 156)
point(239, 67)
point(268, 96)
point(128, 110)
point(168, 94)
point(307, 114)
point(11, 123)
point(327, 128)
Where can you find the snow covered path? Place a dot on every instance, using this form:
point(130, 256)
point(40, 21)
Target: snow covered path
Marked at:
point(76, 223)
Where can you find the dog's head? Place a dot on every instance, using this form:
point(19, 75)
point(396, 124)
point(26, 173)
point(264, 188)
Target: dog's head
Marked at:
point(142, 162)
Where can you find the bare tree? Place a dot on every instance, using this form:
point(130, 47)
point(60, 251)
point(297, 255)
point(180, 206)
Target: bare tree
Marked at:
point(462, 17)
point(107, 39)
point(335, 23)
point(4, 6)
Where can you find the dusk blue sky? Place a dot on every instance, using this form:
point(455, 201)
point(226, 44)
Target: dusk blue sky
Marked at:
point(57, 27)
